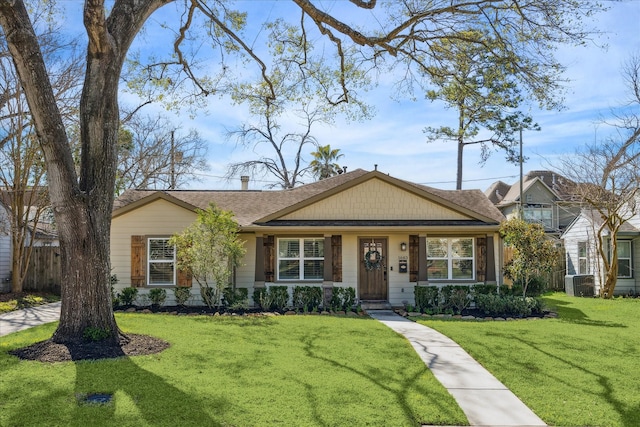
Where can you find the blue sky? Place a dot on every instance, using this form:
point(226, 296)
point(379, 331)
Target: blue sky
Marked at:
point(394, 139)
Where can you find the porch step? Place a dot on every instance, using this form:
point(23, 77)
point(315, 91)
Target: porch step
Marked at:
point(375, 305)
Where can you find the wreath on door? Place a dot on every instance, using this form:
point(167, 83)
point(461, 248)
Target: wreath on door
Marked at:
point(372, 260)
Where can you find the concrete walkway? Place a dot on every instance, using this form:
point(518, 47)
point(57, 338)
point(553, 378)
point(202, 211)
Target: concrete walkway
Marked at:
point(484, 400)
point(18, 320)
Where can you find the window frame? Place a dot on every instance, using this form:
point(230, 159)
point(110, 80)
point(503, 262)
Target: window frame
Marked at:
point(301, 258)
point(540, 209)
point(629, 258)
point(450, 258)
point(149, 262)
point(583, 246)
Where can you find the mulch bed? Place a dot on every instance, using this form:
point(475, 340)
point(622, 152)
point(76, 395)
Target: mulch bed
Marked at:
point(130, 345)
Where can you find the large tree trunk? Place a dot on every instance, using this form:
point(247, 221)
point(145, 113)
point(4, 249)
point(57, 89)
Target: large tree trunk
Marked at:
point(82, 207)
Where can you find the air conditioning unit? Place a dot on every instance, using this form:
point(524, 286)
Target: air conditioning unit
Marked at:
point(579, 285)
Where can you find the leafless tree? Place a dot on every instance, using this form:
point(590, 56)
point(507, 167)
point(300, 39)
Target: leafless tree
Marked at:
point(154, 154)
point(24, 190)
point(606, 177)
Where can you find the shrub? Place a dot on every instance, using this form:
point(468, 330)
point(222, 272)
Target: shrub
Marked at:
point(279, 297)
point(427, 298)
point(210, 295)
point(509, 305)
point(457, 298)
point(236, 298)
point(307, 298)
point(342, 298)
point(157, 296)
point(128, 295)
point(94, 334)
point(272, 298)
point(182, 295)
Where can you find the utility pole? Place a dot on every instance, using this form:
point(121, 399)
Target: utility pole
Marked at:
point(172, 177)
point(521, 208)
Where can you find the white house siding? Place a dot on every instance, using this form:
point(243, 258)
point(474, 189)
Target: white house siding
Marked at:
point(158, 218)
point(582, 231)
point(5, 251)
point(374, 199)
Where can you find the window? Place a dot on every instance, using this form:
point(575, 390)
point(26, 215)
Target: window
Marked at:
point(450, 258)
point(540, 213)
point(624, 259)
point(583, 263)
point(300, 259)
point(161, 262)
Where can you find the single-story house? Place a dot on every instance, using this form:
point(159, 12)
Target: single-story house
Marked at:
point(584, 263)
point(367, 230)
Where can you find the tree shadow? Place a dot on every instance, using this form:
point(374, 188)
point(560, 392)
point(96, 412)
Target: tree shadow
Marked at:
point(573, 315)
point(381, 380)
point(628, 413)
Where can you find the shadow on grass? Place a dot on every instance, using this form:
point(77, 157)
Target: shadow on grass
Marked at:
point(155, 401)
point(381, 380)
point(573, 315)
point(628, 414)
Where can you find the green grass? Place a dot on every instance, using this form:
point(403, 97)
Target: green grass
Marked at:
point(582, 369)
point(233, 371)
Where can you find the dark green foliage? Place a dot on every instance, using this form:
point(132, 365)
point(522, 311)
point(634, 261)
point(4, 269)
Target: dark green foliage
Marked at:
point(342, 298)
point(456, 298)
point(157, 296)
point(272, 298)
point(95, 334)
point(235, 298)
point(182, 295)
point(508, 305)
point(280, 297)
point(307, 298)
point(128, 296)
point(427, 298)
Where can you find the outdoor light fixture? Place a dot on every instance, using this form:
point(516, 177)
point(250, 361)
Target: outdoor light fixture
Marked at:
point(403, 246)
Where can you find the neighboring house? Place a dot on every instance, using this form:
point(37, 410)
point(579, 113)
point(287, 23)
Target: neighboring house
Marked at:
point(582, 256)
point(546, 199)
point(366, 230)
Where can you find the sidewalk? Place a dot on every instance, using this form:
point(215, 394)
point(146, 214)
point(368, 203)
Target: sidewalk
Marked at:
point(484, 400)
point(18, 320)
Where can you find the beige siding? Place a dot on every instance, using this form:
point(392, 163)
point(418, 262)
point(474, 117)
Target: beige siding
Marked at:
point(160, 218)
point(375, 199)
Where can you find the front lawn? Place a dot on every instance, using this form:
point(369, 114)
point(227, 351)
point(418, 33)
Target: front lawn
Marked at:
point(232, 371)
point(582, 369)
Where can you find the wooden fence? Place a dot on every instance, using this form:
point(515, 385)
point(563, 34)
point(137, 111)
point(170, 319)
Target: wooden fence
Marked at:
point(554, 280)
point(44, 271)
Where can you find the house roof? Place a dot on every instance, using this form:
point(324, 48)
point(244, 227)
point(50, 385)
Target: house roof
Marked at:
point(502, 194)
point(593, 217)
point(261, 207)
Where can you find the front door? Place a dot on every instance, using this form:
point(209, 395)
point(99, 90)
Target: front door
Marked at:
point(372, 257)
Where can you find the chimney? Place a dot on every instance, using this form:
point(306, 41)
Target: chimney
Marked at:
point(344, 169)
point(244, 179)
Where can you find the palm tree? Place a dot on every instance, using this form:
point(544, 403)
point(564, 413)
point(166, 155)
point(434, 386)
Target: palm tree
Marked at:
point(324, 161)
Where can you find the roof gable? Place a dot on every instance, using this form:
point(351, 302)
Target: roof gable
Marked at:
point(371, 200)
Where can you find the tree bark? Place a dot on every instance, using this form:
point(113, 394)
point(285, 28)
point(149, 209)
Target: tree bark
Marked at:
point(82, 205)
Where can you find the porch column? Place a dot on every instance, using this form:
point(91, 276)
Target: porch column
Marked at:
point(490, 276)
point(258, 268)
point(422, 260)
point(327, 275)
